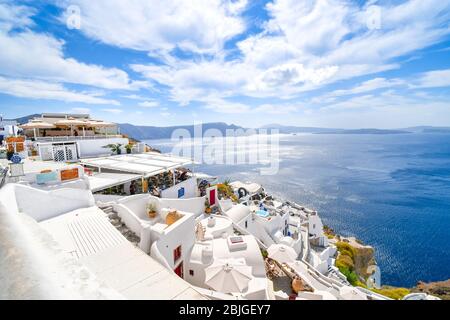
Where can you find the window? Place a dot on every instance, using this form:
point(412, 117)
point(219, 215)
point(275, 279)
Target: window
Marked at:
point(176, 254)
point(191, 272)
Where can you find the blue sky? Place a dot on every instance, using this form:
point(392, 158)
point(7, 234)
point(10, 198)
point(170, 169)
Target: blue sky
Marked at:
point(329, 63)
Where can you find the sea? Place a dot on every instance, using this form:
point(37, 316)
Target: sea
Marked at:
point(392, 191)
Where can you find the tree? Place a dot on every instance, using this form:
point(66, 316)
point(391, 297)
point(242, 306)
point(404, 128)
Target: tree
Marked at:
point(115, 148)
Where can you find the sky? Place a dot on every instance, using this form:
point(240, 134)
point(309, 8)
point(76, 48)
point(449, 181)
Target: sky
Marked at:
point(324, 63)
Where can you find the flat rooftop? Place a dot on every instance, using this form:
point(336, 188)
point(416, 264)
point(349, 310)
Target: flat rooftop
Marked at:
point(146, 164)
point(104, 180)
point(89, 237)
point(31, 165)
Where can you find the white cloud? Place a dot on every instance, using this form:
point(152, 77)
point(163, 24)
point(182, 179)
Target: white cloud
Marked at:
point(49, 63)
point(276, 109)
point(134, 97)
point(304, 46)
point(14, 16)
point(34, 89)
point(155, 26)
point(111, 110)
point(386, 110)
point(433, 79)
point(29, 54)
point(80, 110)
point(148, 104)
point(369, 85)
point(221, 106)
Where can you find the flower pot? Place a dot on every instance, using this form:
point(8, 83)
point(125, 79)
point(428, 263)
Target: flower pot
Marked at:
point(151, 214)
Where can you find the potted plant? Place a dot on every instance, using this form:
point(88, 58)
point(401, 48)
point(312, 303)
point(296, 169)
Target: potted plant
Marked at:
point(115, 148)
point(208, 209)
point(34, 152)
point(9, 154)
point(128, 147)
point(151, 210)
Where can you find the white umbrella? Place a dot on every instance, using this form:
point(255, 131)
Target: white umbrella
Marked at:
point(282, 253)
point(37, 124)
point(228, 276)
point(99, 124)
point(71, 122)
point(351, 293)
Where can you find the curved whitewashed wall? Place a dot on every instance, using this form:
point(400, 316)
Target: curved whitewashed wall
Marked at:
point(190, 190)
point(42, 204)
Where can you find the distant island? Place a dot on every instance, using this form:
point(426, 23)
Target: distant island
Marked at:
point(154, 132)
point(365, 131)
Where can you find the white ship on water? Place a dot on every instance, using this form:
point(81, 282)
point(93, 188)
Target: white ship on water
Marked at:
point(79, 222)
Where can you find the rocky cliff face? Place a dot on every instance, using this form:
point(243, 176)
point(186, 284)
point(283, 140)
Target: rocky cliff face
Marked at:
point(439, 289)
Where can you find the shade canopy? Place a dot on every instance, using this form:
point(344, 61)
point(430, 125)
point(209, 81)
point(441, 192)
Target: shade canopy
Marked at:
point(37, 124)
point(70, 122)
point(99, 123)
point(282, 253)
point(146, 164)
point(227, 276)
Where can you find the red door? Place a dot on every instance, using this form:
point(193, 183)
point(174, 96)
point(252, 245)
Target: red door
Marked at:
point(212, 197)
point(179, 270)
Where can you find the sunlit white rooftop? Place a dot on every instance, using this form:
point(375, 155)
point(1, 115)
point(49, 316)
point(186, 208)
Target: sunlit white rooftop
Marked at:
point(146, 164)
point(104, 180)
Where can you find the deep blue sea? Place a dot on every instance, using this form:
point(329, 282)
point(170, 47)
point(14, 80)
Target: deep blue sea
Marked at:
point(391, 191)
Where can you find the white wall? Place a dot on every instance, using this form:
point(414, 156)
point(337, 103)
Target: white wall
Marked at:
point(190, 190)
point(94, 147)
point(181, 233)
point(315, 226)
point(42, 205)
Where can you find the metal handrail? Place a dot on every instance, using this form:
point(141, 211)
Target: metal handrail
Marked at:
point(4, 174)
point(69, 138)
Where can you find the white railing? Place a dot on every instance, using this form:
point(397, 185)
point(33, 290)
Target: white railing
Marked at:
point(71, 138)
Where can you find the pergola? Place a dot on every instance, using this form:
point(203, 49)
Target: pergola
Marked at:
point(146, 164)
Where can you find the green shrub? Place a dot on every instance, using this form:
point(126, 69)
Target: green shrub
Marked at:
point(345, 261)
point(392, 292)
point(264, 253)
point(345, 248)
point(351, 276)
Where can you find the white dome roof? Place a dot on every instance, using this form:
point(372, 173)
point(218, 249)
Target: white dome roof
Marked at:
point(238, 212)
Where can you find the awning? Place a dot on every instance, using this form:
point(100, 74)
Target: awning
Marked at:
point(102, 181)
point(145, 164)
